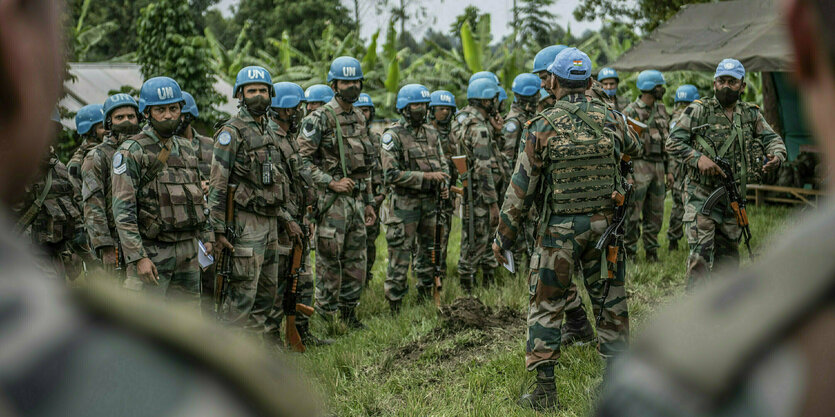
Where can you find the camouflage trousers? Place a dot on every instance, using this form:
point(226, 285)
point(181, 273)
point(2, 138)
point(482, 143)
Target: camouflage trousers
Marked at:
point(569, 240)
point(647, 208)
point(714, 240)
point(179, 272)
point(255, 274)
point(371, 247)
point(676, 229)
point(446, 228)
point(478, 254)
point(410, 231)
point(340, 255)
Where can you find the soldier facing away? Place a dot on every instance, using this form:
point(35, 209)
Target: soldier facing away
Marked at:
point(722, 126)
point(570, 164)
point(89, 123)
point(334, 145)
point(416, 170)
point(685, 95)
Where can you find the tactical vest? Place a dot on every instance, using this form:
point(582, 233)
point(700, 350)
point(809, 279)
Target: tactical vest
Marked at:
point(656, 135)
point(263, 160)
point(170, 201)
point(205, 153)
point(358, 152)
point(582, 169)
point(467, 121)
point(732, 141)
point(299, 187)
point(59, 215)
point(421, 152)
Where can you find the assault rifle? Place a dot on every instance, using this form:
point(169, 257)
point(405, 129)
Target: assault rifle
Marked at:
point(436, 250)
point(460, 163)
point(290, 306)
point(737, 202)
point(224, 269)
point(612, 238)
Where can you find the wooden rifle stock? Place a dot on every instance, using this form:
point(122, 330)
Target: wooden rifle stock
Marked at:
point(294, 340)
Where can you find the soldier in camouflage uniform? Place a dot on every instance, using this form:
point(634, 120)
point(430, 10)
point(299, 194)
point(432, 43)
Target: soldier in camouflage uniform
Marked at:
point(316, 96)
point(476, 133)
point(685, 95)
point(416, 170)
point(720, 126)
point(571, 163)
point(609, 80)
point(158, 206)
point(365, 105)
point(652, 172)
point(334, 145)
point(247, 154)
point(442, 110)
point(284, 121)
point(89, 123)
point(121, 119)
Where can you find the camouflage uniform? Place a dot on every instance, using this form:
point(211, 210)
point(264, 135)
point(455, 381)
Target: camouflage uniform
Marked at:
point(619, 102)
point(716, 237)
point(205, 146)
point(476, 136)
point(578, 180)
point(449, 145)
point(514, 123)
point(159, 213)
point(647, 208)
point(96, 194)
point(675, 231)
point(54, 222)
point(378, 188)
point(246, 152)
point(410, 227)
point(340, 235)
point(74, 164)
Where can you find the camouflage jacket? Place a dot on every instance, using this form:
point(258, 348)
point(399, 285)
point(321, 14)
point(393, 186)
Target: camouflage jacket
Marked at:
point(97, 201)
point(377, 180)
point(658, 123)
point(166, 207)
point(545, 147)
point(58, 219)
point(704, 126)
point(408, 154)
point(302, 189)
point(476, 139)
point(206, 147)
point(319, 148)
point(514, 123)
point(74, 165)
point(246, 153)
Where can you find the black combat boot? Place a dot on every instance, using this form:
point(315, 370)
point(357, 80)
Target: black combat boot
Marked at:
point(394, 306)
point(544, 396)
point(309, 339)
point(349, 316)
point(576, 328)
point(652, 256)
point(672, 246)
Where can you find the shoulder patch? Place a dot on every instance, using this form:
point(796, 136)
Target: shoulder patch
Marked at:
point(308, 130)
point(387, 141)
point(461, 118)
point(672, 125)
point(688, 110)
point(511, 127)
point(224, 138)
point(119, 166)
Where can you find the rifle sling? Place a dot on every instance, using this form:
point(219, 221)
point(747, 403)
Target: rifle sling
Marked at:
point(158, 164)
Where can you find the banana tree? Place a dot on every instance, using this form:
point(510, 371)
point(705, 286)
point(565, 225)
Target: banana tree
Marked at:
point(85, 37)
point(227, 63)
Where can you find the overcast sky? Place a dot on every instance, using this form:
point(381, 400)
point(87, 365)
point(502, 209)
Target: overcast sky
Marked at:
point(443, 13)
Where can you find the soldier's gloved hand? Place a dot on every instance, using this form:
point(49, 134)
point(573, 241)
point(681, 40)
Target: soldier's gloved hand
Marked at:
point(669, 181)
point(497, 252)
point(147, 271)
point(708, 167)
point(343, 186)
point(772, 164)
point(295, 232)
point(370, 216)
point(220, 244)
point(435, 176)
point(109, 258)
point(494, 215)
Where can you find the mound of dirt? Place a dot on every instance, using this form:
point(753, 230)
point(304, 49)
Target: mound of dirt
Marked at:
point(471, 313)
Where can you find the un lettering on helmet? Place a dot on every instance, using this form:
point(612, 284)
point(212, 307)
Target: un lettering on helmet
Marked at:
point(349, 71)
point(256, 73)
point(446, 98)
point(424, 93)
point(165, 93)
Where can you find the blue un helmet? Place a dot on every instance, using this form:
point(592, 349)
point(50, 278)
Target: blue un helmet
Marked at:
point(483, 88)
point(364, 100)
point(442, 98)
point(114, 102)
point(502, 94)
point(571, 64)
point(287, 95)
point(345, 68)
point(253, 75)
point(686, 93)
point(87, 117)
point(485, 74)
point(159, 91)
point(318, 93)
point(545, 57)
point(412, 93)
point(606, 73)
point(647, 80)
point(191, 106)
point(525, 84)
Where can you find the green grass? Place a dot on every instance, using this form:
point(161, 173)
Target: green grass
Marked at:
point(411, 366)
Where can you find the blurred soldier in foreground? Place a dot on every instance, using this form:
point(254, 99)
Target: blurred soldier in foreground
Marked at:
point(365, 105)
point(416, 170)
point(89, 123)
point(571, 164)
point(59, 348)
point(609, 81)
point(121, 119)
point(685, 95)
point(760, 343)
point(735, 131)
